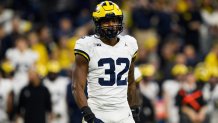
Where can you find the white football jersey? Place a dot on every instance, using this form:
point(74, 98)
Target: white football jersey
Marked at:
point(107, 78)
point(211, 96)
point(171, 88)
point(5, 89)
point(21, 60)
point(150, 90)
point(58, 90)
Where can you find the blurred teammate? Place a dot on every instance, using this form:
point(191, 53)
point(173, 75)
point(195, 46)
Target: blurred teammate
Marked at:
point(210, 93)
point(149, 90)
point(6, 92)
point(57, 86)
point(106, 62)
point(22, 58)
point(171, 88)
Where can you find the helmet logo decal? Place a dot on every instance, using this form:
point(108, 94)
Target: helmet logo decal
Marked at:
point(97, 9)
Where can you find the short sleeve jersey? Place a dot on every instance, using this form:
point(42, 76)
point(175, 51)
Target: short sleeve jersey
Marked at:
point(107, 78)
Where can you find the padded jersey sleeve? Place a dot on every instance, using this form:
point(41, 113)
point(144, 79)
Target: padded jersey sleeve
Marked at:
point(134, 46)
point(82, 48)
point(137, 75)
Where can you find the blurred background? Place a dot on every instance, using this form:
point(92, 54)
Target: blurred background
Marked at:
point(176, 67)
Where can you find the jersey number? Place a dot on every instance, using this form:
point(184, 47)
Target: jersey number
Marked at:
point(111, 71)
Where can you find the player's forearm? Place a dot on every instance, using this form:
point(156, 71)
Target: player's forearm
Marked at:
point(133, 99)
point(10, 102)
point(133, 96)
point(79, 81)
point(79, 96)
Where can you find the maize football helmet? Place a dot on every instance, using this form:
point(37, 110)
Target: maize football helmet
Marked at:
point(105, 11)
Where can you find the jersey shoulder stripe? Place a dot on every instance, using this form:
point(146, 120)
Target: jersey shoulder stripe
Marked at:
point(83, 46)
point(135, 54)
point(80, 52)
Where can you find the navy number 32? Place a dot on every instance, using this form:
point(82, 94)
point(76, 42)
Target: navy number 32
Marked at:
point(111, 71)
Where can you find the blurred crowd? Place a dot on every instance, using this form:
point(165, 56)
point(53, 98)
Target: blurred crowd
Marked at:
point(176, 67)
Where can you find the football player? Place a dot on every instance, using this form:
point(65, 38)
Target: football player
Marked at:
point(105, 62)
point(57, 85)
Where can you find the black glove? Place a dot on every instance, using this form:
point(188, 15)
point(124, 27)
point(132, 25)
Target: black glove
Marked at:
point(89, 116)
point(96, 120)
point(135, 112)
